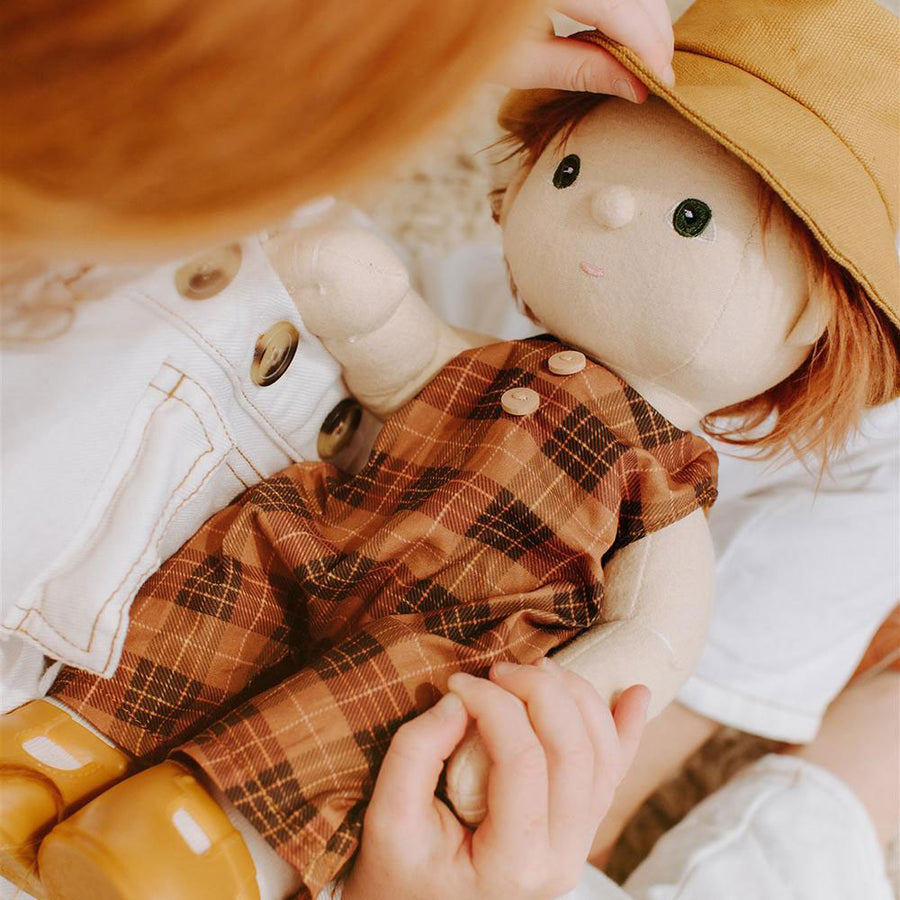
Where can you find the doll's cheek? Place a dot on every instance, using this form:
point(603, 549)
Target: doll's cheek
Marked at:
point(746, 349)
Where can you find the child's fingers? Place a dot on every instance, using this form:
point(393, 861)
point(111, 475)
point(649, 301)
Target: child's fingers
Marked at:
point(570, 65)
point(630, 715)
point(659, 13)
point(517, 786)
point(563, 734)
point(404, 791)
point(630, 23)
point(602, 730)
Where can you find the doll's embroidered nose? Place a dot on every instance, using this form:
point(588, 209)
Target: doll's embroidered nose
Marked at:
point(613, 207)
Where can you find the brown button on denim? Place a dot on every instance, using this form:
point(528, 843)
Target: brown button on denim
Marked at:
point(273, 354)
point(567, 362)
point(338, 428)
point(520, 401)
point(206, 275)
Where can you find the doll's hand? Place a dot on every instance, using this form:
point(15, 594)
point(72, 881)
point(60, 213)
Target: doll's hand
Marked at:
point(557, 754)
point(542, 60)
point(346, 282)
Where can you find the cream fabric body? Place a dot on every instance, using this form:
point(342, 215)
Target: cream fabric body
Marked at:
point(658, 593)
point(656, 611)
point(806, 571)
point(641, 241)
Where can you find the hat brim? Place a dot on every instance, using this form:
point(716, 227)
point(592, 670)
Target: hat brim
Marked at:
point(791, 148)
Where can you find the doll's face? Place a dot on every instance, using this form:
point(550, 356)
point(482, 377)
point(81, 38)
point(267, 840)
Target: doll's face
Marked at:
point(640, 242)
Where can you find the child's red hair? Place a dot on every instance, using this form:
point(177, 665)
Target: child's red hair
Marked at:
point(156, 125)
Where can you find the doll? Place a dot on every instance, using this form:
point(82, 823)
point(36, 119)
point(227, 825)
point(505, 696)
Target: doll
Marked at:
point(520, 494)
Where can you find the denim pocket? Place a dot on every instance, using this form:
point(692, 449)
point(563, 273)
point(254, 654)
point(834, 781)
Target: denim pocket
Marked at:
point(177, 449)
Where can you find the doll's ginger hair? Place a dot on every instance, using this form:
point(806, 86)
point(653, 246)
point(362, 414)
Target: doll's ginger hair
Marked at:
point(156, 124)
point(855, 364)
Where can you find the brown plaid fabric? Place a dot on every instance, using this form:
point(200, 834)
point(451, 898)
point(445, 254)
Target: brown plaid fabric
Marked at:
point(282, 646)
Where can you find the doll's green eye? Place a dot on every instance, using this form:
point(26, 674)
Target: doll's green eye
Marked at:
point(691, 218)
point(567, 171)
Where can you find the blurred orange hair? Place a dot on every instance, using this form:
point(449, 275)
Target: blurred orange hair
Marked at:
point(162, 122)
point(855, 364)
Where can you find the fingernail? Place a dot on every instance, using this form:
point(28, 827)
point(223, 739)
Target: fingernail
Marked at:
point(548, 664)
point(448, 706)
point(668, 75)
point(646, 695)
point(459, 679)
point(503, 668)
point(623, 88)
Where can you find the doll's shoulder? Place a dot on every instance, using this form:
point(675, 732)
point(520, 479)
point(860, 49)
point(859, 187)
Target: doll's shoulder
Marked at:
point(523, 353)
point(566, 398)
point(683, 455)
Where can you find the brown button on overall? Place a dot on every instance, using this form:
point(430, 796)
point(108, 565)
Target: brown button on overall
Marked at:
point(273, 353)
point(206, 275)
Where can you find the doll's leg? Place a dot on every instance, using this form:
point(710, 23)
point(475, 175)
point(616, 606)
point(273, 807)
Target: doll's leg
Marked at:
point(298, 761)
point(217, 620)
point(220, 619)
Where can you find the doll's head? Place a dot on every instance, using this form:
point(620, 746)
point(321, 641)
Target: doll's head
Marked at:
point(633, 235)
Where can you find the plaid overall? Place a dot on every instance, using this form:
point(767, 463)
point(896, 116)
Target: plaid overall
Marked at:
point(285, 642)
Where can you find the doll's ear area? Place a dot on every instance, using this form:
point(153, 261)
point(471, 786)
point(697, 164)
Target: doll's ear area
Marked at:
point(508, 175)
point(821, 294)
point(502, 198)
point(815, 316)
point(532, 120)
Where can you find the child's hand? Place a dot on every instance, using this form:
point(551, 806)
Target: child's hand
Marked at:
point(557, 756)
point(542, 60)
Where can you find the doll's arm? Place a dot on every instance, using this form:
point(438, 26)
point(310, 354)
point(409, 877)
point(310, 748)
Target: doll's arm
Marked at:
point(656, 610)
point(354, 294)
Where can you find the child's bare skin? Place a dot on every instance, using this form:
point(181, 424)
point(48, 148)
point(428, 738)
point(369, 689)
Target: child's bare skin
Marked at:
point(669, 740)
point(541, 59)
point(859, 742)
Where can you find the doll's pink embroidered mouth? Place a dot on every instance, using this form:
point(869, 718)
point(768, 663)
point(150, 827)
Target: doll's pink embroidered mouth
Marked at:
point(593, 271)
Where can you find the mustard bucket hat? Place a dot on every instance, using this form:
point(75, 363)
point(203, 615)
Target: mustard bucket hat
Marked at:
point(806, 93)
